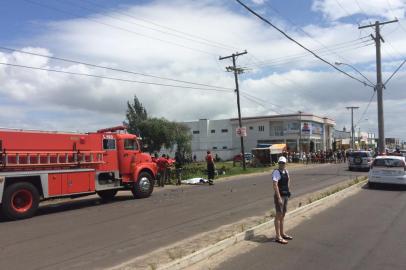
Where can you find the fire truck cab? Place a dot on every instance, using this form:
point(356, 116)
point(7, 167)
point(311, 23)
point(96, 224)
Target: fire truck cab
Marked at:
point(40, 165)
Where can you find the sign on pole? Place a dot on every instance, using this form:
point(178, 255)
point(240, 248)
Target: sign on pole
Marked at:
point(242, 132)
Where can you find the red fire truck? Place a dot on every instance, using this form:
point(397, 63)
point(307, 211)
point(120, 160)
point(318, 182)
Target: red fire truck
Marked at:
point(41, 165)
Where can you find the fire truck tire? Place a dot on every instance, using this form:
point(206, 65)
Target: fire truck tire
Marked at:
point(107, 195)
point(20, 200)
point(144, 186)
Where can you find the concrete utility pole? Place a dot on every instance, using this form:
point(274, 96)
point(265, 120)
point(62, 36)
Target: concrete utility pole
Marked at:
point(352, 124)
point(237, 90)
point(300, 134)
point(379, 85)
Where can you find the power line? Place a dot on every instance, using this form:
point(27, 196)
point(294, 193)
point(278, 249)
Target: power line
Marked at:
point(303, 31)
point(115, 79)
point(366, 109)
point(110, 68)
point(335, 46)
point(393, 14)
point(120, 28)
point(165, 27)
point(341, 45)
point(259, 103)
point(151, 28)
point(298, 58)
point(293, 40)
point(360, 8)
point(355, 69)
point(391, 53)
point(262, 102)
point(393, 74)
point(345, 10)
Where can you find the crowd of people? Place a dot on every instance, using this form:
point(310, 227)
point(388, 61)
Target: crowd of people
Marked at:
point(329, 156)
point(166, 167)
point(169, 168)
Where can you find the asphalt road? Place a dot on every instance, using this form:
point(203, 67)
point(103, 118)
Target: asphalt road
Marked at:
point(366, 231)
point(87, 234)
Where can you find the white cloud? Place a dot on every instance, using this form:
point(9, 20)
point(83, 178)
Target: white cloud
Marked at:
point(337, 9)
point(40, 99)
point(259, 2)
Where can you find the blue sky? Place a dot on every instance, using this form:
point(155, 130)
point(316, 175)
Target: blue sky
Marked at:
point(20, 18)
point(279, 72)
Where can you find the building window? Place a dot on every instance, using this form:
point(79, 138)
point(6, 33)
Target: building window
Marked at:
point(261, 128)
point(224, 130)
point(279, 131)
point(196, 132)
point(276, 129)
point(224, 147)
point(214, 147)
point(213, 131)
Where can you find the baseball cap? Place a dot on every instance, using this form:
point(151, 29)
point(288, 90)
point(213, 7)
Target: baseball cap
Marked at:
point(282, 159)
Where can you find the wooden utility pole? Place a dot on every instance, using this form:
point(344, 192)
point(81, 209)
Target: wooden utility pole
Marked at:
point(236, 72)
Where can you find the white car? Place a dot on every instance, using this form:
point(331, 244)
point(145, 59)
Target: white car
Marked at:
point(387, 170)
point(359, 160)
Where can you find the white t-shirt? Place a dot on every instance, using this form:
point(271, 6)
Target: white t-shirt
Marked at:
point(276, 175)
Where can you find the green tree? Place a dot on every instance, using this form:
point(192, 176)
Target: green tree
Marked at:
point(157, 132)
point(182, 138)
point(136, 114)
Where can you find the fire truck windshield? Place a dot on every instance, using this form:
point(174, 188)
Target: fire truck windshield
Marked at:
point(130, 144)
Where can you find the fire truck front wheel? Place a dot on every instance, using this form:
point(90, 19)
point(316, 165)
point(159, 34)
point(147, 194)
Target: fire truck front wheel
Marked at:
point(20, 200)
point(144, 186)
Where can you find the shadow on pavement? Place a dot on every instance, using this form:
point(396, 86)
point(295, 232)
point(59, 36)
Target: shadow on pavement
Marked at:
point(73, 205)
point(250, 236)
point(385, 187)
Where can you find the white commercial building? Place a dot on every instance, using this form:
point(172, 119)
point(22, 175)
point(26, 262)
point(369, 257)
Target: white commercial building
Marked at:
point(307, 131)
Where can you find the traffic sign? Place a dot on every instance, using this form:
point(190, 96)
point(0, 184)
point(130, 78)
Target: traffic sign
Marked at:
point(241, 131)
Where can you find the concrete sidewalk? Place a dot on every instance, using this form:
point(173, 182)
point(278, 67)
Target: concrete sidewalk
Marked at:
point(365, 231)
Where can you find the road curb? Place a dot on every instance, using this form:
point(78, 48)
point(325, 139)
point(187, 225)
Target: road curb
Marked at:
point(211, 250)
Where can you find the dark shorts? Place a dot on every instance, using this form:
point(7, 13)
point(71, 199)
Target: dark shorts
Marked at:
point(210, 171)
point(281, 208)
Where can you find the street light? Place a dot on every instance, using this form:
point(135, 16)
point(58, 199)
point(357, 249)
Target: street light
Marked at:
point(359, 72)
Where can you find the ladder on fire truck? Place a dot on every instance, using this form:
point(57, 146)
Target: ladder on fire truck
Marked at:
point(41, 159)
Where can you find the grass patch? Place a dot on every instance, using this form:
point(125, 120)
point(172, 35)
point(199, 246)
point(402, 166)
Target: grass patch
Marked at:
point(336, 189)
point(153, 266)
point(174, 254)
point(223, 168)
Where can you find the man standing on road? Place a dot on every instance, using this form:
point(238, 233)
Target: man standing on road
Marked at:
point(178, 167)
point(162, 170)
point(281, 184)
point(210, 168)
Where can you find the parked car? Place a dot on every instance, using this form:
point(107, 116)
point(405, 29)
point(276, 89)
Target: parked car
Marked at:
point(387, 170)
point(359, 160)
point(248, 158)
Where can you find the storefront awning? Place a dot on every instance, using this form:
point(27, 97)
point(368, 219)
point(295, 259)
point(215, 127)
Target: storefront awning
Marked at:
point(345, 141)
point(277, 148)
